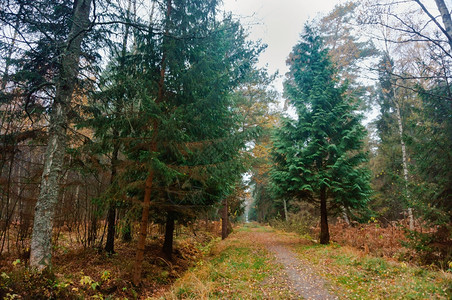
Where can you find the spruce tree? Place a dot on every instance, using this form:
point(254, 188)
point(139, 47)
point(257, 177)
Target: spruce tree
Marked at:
point(187, 141)
point(318, 157)
point(432, 145)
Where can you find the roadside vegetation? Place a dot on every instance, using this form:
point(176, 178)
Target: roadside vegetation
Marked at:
point(240, 267)
point(357, 275)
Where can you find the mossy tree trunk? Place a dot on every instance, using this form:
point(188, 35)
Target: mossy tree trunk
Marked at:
point(41, 248)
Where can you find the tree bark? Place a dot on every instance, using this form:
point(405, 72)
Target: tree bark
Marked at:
point(324, 231)
point(143, 229)
point(224, 219)
point(344, 215)
point(111, 217)
point(111, 229)
point(169, 234)
point(405, 164)
point(447, 20)
point(40, 250)
point(285, 210)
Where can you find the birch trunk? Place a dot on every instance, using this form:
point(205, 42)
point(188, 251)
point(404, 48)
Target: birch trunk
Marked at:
point(224, 219)
point(344, 215)
point(404, 163)
point(447, 20)
point(41, 241)
point(285, 210)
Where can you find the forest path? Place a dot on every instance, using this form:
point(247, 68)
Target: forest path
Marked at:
point(302, 279)
point(260, 262)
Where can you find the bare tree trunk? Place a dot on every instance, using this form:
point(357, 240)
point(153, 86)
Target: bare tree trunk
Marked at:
point(143, 229)
point(111, 216)
point(405, 163)
point(40, 255)
point(224, 219)
point(285, 210)
point(344, 215)
point(111, 228)
point(324, 231)
point(169, 234)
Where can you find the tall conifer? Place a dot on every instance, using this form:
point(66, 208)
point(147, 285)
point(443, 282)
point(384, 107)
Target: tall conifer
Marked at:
point(188, 138)
point(318, 157)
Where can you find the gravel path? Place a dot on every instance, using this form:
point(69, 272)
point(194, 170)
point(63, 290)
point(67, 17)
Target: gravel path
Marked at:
point(302, 279)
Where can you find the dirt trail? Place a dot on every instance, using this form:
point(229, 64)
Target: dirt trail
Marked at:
point(302, 279)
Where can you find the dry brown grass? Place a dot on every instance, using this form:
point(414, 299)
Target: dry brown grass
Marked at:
point(371, 238)
point(424, 245)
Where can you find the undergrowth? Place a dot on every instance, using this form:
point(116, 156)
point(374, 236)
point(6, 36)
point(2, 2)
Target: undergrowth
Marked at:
point(424, 245)
point(91, 274)
point(360, 276)
point(21, 283)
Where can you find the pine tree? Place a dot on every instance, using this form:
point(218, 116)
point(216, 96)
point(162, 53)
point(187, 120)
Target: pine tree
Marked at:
point(318, 157)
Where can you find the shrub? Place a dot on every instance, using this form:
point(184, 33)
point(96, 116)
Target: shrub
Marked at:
point(432, 247)
point(26, 284)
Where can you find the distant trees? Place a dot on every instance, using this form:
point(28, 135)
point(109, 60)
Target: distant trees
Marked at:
point(413, 66)
point(256, 100)
point(318, 157)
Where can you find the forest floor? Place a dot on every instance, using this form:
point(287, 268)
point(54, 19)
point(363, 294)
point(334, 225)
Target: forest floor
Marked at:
point(254, 262)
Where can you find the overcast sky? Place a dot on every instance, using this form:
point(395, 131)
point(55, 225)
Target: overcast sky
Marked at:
point(278, 23)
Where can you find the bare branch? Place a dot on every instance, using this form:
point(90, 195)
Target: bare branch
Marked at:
point(449, 38)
